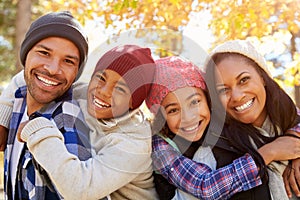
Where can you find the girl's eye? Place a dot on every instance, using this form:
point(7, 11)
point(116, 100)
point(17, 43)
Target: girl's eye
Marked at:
point(173, 110)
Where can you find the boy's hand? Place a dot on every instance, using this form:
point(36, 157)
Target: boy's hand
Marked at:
point(291, 175)
point(291, 178)
point(3, 137)
point(21, 126)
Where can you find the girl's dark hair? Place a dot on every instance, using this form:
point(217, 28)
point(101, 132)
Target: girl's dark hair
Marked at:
point(280, 108)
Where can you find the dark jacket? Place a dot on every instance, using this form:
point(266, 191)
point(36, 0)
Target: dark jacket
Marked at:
point(225, 154)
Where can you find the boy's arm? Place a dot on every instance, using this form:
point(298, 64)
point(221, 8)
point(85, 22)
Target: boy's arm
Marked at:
point(7, 98)
point(6, 106)
point(94, 178)
point(291, 175)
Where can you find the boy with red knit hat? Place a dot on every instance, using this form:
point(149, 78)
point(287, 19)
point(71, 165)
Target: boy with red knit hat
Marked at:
point(121, 166)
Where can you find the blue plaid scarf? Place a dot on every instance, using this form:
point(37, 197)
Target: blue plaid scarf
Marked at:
point(32, 182)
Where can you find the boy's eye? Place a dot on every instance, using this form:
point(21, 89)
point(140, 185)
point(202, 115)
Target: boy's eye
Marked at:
point(100, 77)
point(120, 89)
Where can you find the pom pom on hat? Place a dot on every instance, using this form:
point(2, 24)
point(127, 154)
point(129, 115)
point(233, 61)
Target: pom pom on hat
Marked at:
point(56, 24)
point(136, 66)
point(171, 74)
point(244, 48)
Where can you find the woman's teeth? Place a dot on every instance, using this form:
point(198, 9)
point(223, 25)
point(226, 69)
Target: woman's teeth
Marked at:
point(244, 106)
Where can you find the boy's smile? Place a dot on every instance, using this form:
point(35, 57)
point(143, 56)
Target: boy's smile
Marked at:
point(108, 95)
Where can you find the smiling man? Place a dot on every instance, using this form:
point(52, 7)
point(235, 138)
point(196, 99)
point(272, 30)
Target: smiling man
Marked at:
point(53, 54)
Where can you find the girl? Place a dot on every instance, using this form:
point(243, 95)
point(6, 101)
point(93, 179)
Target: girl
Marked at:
point(258, 111)
point(121, 166)
point(180, 102)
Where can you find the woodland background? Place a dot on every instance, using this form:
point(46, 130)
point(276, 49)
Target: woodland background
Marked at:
point(273, 25)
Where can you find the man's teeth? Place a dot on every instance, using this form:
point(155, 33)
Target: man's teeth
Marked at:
point(244, 106)
point(100, 103)
point(190, 128)
point(47, 82)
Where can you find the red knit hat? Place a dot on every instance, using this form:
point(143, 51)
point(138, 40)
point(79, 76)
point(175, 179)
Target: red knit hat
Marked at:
point(171, 74)
point(136, 66)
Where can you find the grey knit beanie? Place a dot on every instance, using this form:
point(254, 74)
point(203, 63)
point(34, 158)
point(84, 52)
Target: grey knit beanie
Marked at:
point(56, 24)
point(245, 48)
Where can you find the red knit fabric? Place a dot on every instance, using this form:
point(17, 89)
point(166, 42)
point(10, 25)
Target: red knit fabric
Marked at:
point(135, 64)
point(171, 74)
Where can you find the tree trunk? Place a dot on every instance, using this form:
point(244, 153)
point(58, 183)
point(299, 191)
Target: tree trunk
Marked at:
point(296, 87)
point(297, 95)
point(22, 24)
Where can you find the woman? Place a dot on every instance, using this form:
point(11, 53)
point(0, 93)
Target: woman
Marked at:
point(258, 111)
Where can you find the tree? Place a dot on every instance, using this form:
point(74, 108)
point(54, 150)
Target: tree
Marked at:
point(23, 20)
point(7, 30)
point(134, 14)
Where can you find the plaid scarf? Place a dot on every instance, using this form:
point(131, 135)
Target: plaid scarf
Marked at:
point(32, 182)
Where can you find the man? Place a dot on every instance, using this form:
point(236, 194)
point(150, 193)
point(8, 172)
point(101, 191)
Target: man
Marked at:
point(53, 54)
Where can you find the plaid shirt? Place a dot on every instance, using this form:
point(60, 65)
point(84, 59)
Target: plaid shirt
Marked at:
point(297, 127)
point(32, 182)
point(198, 179)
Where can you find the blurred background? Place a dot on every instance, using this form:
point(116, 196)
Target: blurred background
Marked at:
point(273, 26)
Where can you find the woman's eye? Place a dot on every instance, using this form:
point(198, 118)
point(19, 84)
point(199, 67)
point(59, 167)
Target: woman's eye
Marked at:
point(244, 79)
point(221, 91)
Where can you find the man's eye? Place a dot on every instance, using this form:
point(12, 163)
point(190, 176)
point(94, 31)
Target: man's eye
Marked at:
point(46, 53)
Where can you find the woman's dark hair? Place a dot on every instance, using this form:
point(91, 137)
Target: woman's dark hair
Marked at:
point(280, 108)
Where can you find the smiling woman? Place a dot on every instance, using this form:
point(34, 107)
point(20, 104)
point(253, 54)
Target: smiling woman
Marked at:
point(258, 112)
